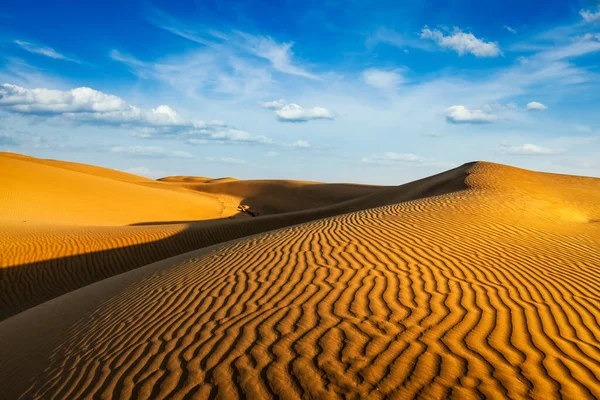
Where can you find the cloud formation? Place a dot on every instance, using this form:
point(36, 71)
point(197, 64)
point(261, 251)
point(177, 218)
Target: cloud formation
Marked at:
point(290, 112)
point(83, 104)
point(535, 106)
point(590, 16)
point(384, 80)
point(300, 144)
point(528, 149)
point(461, 42)
point(226, 160)
point(462, 115)
point(44, 50)
point(390, 158)
point(86, 105)
point(150, 151)
point(511, 30)
point(279, 55)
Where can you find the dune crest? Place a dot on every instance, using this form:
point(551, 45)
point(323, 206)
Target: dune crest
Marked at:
point(476, 282)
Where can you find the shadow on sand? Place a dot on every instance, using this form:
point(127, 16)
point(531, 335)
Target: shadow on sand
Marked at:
point(27, 285)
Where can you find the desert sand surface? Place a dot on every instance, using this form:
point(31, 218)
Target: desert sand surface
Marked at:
point(483, 281)
point(66, 225)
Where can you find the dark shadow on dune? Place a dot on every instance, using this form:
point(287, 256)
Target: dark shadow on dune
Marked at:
point(25, 286)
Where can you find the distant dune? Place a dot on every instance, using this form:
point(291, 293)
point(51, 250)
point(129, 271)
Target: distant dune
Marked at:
point(482, 281)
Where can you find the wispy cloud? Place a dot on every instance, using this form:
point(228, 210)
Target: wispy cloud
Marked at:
point(387, 81)
point(290, 112)
point(390, 158)
point(150, 151)
point(302, 144)
point(511, 30)
point(396, 39)
point(278, 54)
point(226, 160)
point(203, 71)
point(529, 149)
point(590, 16)
point(461, 42)
point(44, 50)
point(204, 136)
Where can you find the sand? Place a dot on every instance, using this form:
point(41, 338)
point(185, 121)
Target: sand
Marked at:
point(483, 281)
point(66, 225)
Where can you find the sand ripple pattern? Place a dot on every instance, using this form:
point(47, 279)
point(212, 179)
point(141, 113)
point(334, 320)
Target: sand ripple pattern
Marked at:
point(403, 301)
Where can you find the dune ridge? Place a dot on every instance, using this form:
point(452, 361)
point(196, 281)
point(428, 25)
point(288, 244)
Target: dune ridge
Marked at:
point(489, 290)
point(66, 257)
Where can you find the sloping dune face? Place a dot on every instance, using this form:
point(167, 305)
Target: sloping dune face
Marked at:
point(64, 225)
point(48, 192)
point(491, 291)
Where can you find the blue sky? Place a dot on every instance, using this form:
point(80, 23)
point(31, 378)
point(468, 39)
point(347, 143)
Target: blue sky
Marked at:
point(363, 91)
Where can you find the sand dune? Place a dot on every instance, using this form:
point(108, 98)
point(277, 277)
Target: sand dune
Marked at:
point(63, 223)
point(482, 281)
point(281, 196)
point(49, 192)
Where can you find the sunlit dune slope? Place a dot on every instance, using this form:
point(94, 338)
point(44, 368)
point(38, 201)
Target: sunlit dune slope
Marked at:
point(84, 168)
point(492, 291)
point(62, 223)
point(48, 192)
point(43, 262)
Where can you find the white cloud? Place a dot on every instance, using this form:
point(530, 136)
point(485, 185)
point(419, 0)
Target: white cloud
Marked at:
point(83, 99)
point(226, 160)
point(301, 144)
point(387, 81)
point(236, 135)
point(511, 30)
point(390, 158)
point(535, 106)
point(205, 136)
point(462, 42)
point(150, 151)
point(528, 149)
point(44, 50)
point(590, 16)
point(273, 105)
point(90, 106)
point(294, 113)
point(462, 115)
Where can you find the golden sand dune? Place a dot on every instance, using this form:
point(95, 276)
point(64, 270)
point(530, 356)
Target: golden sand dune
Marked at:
point(490, 291)
point(50, 192)
point(62, 223)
